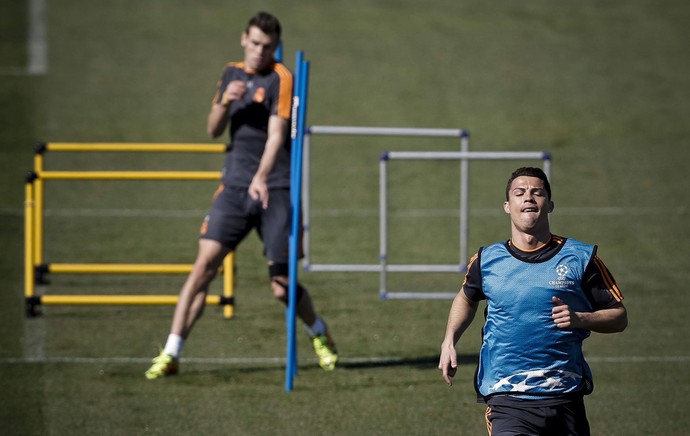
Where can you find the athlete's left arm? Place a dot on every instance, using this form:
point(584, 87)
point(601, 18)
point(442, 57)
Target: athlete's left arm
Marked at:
point(277, 129)
point(611, 320)
point(609, 314)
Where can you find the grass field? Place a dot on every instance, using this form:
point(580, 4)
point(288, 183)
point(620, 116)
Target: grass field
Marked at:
point(603, 86)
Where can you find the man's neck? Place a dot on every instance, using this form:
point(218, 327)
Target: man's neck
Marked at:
point(530, 242)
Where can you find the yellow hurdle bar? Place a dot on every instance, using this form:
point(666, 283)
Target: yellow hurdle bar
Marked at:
point(129, 175)
point(136, 146)
point(118, 268)
point(120, 299)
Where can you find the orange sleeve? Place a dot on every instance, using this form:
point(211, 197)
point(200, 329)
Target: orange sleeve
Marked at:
point(285, 93)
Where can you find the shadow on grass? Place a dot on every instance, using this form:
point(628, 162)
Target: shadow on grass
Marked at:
point(421, 362)
point(226, 373)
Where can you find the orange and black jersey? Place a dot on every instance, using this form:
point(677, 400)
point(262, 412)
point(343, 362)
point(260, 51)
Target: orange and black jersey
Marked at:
point(598, 284)
point(269, 93)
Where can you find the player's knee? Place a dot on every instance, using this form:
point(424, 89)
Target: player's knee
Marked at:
point(201, 279)
point(205, 269)
point(279, 282)
point(280, 289)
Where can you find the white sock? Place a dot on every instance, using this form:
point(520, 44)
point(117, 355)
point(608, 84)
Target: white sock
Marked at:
point(174, 345)
point(317, 329)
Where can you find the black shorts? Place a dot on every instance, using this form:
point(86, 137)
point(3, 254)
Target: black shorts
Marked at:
point(565, 419)
point(234, 214)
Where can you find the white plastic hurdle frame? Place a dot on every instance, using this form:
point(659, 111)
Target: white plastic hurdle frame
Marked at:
point(463, 157)
point(461, 134)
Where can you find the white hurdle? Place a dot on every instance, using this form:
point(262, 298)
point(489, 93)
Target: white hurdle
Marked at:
point(462, 135)
point(463, 157)
point(383, 267)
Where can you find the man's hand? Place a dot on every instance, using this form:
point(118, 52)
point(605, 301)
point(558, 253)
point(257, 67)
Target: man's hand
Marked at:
point(563, 316)
point(234, 91)
point(611, 320)
point(218, 116)
point(448, 362)
point(258, 190)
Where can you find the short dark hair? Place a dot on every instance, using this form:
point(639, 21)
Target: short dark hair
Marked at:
point(267, 23)
point(529, 172)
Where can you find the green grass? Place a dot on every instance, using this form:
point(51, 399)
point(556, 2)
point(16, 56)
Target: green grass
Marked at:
point(603, 86)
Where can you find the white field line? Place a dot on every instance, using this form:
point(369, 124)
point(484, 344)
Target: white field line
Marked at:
point(12, 71)
point(348, 213)
point(34, 340)
point(38, 41)
point(239, 361)
point(36, 45)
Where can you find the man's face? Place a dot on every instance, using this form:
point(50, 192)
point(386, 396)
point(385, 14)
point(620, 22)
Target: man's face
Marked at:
point(528, 204)
point(258, 48)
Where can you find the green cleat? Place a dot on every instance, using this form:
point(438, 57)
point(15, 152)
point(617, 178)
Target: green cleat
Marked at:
point(163, 365)
point(325, 350)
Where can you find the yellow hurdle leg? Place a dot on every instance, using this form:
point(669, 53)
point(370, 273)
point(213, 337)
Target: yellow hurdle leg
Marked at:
point(29, 284)
point(229, 284)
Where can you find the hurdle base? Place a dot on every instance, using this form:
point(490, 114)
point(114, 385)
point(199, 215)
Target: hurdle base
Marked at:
point(40, 273)
point(33, 307)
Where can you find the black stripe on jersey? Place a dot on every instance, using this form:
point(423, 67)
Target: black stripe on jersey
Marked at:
point(609, 282)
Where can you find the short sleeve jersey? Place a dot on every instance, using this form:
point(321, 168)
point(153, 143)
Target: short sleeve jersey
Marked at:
point(269, 93)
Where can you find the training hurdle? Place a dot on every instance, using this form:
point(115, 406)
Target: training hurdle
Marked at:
point(383, 267)
point(35, 268)
point(462, 135)
point(463, 156)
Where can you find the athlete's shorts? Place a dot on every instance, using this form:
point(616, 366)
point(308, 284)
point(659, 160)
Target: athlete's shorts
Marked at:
point(234, 214)
point(561, 419)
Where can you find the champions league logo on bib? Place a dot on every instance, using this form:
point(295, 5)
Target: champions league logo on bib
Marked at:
point(561, 282)
point(562, 271)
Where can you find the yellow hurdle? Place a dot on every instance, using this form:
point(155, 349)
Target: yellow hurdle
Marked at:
point(34, 265)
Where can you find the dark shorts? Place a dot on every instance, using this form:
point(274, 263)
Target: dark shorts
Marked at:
point(234, 214)
point(567, 419)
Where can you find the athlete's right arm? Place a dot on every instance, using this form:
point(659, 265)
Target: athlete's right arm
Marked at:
point(218, 116)
point(217, 120)
point(461, 314)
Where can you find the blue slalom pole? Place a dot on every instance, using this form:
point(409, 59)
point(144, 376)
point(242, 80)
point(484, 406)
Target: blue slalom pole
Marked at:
point(278, 54)
point(297, 205)
point(290, 313)
point(297, 136)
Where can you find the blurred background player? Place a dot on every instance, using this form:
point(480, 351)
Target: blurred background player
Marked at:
point(544, 295)
point(254, 98)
